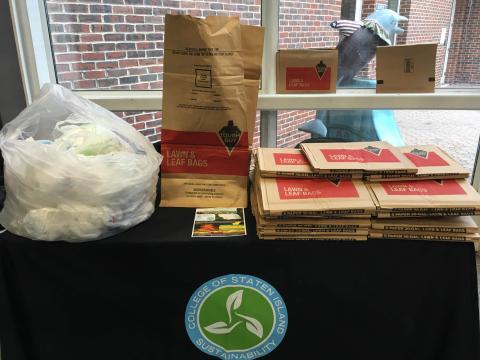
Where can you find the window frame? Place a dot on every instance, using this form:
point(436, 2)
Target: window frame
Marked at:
point(32, 38)
point(357, 16)
point(358, 10)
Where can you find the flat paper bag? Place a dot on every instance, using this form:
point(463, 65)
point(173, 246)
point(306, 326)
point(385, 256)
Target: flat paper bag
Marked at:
point(307, 71)
point(406, 68)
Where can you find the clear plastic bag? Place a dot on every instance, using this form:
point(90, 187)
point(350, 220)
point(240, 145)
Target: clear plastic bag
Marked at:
point(74, 171)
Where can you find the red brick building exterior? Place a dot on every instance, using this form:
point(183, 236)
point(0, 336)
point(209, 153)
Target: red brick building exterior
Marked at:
point(463, 67)
point(426, 19)
point(118, 44)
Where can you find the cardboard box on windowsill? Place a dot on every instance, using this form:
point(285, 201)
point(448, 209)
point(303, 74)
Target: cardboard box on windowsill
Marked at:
point(307, 71)
point(406, 68)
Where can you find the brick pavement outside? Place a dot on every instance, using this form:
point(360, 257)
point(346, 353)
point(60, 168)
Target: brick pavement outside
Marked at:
point(456, 131)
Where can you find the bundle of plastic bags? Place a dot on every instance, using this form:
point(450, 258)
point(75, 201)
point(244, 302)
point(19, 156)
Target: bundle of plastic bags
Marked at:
point(74, 171)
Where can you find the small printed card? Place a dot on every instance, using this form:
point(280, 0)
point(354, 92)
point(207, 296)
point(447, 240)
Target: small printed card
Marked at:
point(218, 222)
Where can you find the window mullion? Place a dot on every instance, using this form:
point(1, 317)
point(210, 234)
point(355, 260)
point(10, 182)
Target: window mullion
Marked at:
point(33, 45)
point(476, 170)
point(358, 10)
point(268, 128)
point(268, 119)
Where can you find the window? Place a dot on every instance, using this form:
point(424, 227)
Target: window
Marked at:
point(309, 28)
point(97, 47)
point(456, 131)
point(118, 44)
point(348, 9)
point(393, 5)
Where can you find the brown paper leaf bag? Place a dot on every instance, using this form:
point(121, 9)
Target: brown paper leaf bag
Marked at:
point(205, 133)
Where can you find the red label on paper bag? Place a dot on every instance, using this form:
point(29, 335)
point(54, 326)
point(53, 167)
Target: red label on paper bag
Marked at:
point(290, 189)
point(359, 156)
point(200, 159)
point(307, 78)
point(199, 138)
point(431, 159)
point(423, 187)
point(290, 159)
point(205, 153)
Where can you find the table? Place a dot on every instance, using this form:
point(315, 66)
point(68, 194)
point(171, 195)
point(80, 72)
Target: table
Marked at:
point(125, 297)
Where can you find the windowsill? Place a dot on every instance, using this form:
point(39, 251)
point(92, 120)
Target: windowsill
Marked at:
point(442, 99)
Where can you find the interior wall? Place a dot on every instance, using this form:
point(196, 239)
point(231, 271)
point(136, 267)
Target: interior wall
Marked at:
point(12, 96)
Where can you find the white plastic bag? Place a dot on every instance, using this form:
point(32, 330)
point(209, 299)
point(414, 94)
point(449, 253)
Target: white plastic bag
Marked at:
point(74, 171)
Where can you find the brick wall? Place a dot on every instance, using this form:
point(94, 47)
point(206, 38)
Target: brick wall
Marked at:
point(149, 123)
point(287, 125)
point(463, 66)
point(118, 44)
point(303, 24)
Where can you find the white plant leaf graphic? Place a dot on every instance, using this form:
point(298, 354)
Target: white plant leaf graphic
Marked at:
point(253, 325)
point(220, 328)
point(234, 301)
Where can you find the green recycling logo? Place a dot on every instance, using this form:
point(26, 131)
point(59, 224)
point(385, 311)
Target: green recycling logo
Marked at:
point(252, 328)
point(236, 317)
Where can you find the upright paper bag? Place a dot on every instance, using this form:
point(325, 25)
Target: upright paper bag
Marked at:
point(205, 139)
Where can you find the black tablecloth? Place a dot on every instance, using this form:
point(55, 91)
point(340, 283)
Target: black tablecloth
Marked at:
point(125, 297)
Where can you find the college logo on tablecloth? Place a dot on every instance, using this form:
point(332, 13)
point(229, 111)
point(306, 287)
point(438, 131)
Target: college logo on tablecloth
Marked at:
point(236, 317)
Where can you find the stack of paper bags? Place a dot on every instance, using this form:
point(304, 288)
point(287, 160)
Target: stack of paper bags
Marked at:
point(425, 198)
point(414, 192)
point(433, 204)
point(359, 158)
point(431, 163)
point(302, 205)
point(457, 228)
point(291, 163)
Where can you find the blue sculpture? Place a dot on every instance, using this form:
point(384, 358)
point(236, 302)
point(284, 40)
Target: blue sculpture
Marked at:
point(388, 20)
point(355, 50)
